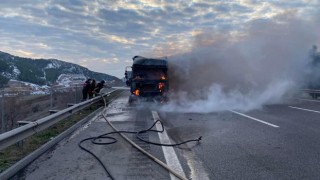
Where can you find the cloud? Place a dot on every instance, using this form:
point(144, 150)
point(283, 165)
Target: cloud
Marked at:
point(77, 29)
point(24, 53)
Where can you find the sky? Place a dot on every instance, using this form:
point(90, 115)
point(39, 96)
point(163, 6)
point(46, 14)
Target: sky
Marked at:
point(104, 35)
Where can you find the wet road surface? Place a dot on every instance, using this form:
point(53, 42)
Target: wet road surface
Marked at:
point(275, 142)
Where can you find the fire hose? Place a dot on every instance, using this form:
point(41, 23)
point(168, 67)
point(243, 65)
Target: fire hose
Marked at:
point(106, 136)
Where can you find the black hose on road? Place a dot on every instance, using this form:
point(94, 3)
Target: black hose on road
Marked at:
point(100, 140)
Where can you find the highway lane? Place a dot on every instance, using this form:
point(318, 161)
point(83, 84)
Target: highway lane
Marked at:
point(235, 145)
point(67, 161)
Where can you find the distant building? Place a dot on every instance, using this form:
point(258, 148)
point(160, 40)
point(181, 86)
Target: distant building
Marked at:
point(71, 79)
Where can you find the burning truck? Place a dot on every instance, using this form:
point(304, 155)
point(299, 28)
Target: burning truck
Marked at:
point(148, 80)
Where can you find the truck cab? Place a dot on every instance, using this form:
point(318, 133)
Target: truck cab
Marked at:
point(148, 80)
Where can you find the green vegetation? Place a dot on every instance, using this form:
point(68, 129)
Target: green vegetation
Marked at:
point(34, 70)
point(3, 81)
point(52, 74)
point(28, 76)
point(40, 63)
point(5, 67)
point(30, 72)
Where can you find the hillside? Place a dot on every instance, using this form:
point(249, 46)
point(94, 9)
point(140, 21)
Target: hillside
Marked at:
point(42, 71)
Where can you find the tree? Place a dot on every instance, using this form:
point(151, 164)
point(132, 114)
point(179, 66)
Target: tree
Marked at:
point(3, 81)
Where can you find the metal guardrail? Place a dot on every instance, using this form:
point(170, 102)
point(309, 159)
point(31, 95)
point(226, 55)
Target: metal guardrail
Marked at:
point(316, 91)
point(15, 168)
point(20, 133)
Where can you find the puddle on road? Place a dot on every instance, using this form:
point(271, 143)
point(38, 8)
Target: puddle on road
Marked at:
point(124, 116)
point(85, 126)
point(196, 168)
point(118, 105)
point(118, 110)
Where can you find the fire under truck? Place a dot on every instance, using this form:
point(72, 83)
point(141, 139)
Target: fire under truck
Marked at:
point(148, 80)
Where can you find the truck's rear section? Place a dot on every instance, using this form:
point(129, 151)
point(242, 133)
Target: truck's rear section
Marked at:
point(148, 80)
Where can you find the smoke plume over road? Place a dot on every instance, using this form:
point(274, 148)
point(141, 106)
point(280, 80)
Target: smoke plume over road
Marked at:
point(243, 70)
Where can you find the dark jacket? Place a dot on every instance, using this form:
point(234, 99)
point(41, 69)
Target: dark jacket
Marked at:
point(99, 86)
point(86, 86)
point(92, 87)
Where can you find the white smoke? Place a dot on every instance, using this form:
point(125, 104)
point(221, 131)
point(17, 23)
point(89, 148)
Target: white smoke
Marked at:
point(245, 70)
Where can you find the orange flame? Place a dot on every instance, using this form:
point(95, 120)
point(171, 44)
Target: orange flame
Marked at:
point(163, 78)
point(161, 86)
point(136, 92)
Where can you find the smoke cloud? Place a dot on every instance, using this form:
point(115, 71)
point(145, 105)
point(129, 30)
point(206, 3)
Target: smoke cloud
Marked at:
point(243, 70)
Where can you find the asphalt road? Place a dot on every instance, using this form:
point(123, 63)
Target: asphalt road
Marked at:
point(275, 142)
point(238, 147)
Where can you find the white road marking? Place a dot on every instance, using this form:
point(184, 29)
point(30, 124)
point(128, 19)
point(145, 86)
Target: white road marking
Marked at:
point(255, 119)
point(169, 153)
point(310, 110)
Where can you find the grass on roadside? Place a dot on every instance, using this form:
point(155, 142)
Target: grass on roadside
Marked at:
point(14, 153)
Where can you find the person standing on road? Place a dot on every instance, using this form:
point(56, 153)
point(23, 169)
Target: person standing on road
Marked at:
point(91, 89)
point(99, 86)
point(85, 89)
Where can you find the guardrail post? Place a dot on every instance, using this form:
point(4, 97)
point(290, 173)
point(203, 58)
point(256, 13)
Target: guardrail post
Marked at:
point(75, 94)
point(21, 123)
point(51, 100)
point(3, 123)
point(52, 111)
point(70, 104)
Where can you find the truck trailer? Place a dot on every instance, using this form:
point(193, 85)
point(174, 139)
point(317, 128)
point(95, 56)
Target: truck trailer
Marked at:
point(148, 80)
